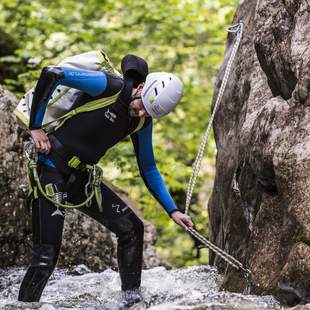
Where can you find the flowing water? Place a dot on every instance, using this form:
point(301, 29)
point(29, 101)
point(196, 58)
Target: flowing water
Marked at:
point(186, 288)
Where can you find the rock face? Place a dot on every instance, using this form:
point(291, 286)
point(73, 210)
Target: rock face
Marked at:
point(15, 224)
point(260, 206)
point(84, 240)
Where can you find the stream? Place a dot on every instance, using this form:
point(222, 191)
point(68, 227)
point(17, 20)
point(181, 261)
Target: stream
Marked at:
point(193, 288)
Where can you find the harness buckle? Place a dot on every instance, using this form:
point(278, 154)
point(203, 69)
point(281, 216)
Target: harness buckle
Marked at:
point(74, 162)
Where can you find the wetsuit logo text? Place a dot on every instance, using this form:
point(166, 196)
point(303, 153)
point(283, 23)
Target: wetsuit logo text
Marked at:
point(117, 208)
point(110, 116)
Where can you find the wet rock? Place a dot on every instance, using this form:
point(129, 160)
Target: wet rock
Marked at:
point(15, 225)
point(79, 270)
point(259, 210)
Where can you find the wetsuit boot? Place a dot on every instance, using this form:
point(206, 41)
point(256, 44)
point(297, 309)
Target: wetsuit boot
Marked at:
point(131, 297)
point(129, 254)
point(41, 267)
point(130, 251)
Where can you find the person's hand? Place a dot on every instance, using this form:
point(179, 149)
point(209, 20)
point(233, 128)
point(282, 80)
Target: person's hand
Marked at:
point(182, 219)
point(41, 141)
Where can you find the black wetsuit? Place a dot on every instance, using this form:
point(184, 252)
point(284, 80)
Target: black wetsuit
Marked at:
point(89, 135)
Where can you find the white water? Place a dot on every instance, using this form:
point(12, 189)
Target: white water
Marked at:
point(187, 288)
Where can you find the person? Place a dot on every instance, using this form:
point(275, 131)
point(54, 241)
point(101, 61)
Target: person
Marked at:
point(87, 136)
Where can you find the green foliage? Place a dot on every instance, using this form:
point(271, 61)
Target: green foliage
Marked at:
point(186, 37)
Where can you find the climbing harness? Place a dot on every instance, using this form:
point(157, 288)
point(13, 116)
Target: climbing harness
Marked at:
point(238, 29)
point(52, 192)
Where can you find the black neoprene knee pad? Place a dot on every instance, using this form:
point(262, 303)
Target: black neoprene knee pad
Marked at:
point(44, 255)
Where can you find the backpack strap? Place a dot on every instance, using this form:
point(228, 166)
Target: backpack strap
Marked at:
point(140, 124)
point(106, 63)
point(87, 107)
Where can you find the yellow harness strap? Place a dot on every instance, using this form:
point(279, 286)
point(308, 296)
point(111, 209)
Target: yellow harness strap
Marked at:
point(87, 107)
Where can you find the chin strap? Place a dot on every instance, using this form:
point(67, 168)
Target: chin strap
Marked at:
point(135, 97)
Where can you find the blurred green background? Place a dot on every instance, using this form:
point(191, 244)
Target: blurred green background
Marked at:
point(185, 37)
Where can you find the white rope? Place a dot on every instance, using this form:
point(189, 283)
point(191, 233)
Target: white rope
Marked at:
point(222, 254)
point(238, 28)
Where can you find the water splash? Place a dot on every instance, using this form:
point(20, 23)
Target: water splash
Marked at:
point(186, 288)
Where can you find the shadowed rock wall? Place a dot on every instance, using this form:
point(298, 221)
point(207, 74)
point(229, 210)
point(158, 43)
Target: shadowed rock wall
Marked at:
point(260, 210)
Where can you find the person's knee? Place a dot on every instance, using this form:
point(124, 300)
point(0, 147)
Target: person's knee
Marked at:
point(138, 227)
point(44, 255)
point(43, 262)
point(131, 227)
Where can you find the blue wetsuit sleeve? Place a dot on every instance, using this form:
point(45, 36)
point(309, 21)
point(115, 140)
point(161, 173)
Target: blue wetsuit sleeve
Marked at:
point(93, 83)
point(142, 141)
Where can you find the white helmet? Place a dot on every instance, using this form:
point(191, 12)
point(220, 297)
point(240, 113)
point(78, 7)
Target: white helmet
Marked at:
point(161, 93)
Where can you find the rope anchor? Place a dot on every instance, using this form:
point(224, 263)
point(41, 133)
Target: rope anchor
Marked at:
point(238, 29)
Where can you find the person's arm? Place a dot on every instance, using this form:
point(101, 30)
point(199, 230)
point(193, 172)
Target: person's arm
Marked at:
point(142, 141)
point(93, 83)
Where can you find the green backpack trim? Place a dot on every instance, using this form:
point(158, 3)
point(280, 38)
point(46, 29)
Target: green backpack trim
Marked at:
point(87, 107)
point(105, 62)
point(21, 117)
point(140, 125)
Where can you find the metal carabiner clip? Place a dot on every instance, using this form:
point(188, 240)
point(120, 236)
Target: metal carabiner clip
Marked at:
point(88, 188)
point(29, 151)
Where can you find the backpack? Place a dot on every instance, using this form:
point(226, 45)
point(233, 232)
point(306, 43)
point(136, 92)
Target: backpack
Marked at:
point(63, 97)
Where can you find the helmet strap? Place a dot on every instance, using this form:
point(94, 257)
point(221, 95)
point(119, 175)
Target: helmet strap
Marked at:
point(135, 97)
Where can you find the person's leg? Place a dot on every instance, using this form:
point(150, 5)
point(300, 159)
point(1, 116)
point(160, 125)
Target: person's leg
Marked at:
point(47, 234)
point(122, 221)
